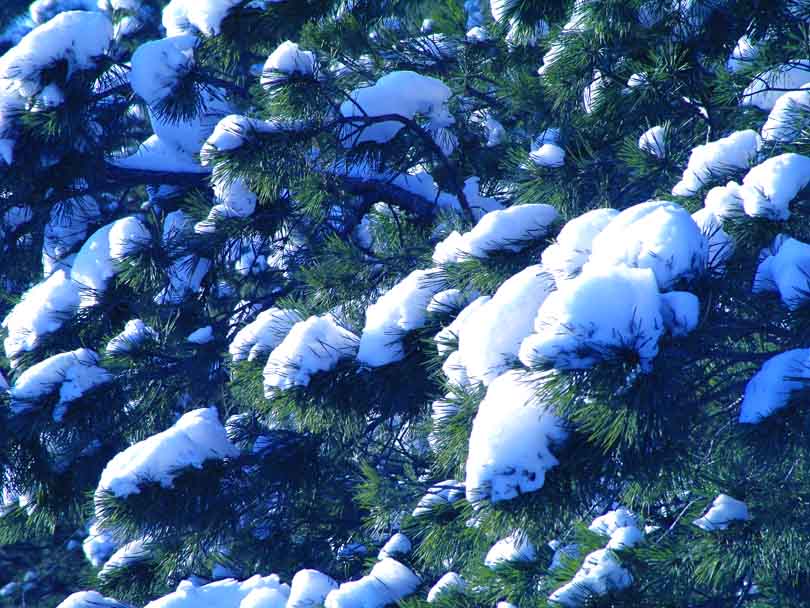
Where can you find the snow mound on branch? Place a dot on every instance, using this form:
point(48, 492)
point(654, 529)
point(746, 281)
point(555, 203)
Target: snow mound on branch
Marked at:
point(398, 544)
point(658, 235)
point(590, 317)
point(654, 141)
point(310, 588)
point(403, 93)
point(451, 333)
point(135, 333)
point(713, 159)
point(511, 440)
point(42, 310)
point(788, 76)
point(125, 557)
point(89, 599)
point(99, 545)
point(443, 493)
point(788, 117)
point(489, 339)
point(287, 59)
point(203, 335)
point(449, 582)
point(311, 346)
point(191, 16)
point(785, 267)
point(187, 272)
point(769, 187)
point(744, 53)
point(227, 593)
point(565, 257)
point(720, 244)
point(502, 229)
point(770, 389)
point(262, 335)
point(66, 228)
point(95, 264)
point(514, 548)
point(601, 572)
point(73, 373)
point(196, 437)
point(387, 583)
point(158, 66)
point(401, 309)
point(548, 155)
point(723, 511)
point(725, 202)
point(77, 37)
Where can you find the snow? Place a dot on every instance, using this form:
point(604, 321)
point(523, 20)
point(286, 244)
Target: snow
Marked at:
point(600, 571)
point(450, 333)
point(187, 272)
point(565, 257)
point(769, 187)
point(591, 316)
point(548, 155)
point(788, 76)
point(514, 548)
point(73, 373)
point(159, 65)
point(507, 229)
point(196, 437)
point(443, 493)
point(449, 582)
point(788, 117)
point(654, 141)
point(772, 386)
point(89, 599)
point(708, 161)
point(721, 245)
point(155, 154)
point(398, 544)
point(227, 593)
point(66, 228)
point(127, 236)
point(490, 338)
point(510, 442)
point(658, 235)
point(309, 589)
point(125, 557)
point(262, 335)
point(135, 333)
point(188, 16)
point(387, 583)
point(785, 267)
point(99, 545)
point(744, 53)
point(311, 346)
point(447, 300)
point(680, 311)
point(494, 130)
point(287, 59)
point(42, 310)
point(203, 335)
point(401, 309)
point(404, 93)
point(77, 37)
point(725, 202)
point(723, 511)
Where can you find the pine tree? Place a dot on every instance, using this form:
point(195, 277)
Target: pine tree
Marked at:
point(367, 303)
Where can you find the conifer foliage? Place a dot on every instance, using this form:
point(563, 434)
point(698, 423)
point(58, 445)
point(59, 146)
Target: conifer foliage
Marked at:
point(360, 303)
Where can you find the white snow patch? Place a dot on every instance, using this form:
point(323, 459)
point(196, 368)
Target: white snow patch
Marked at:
point(387, 583)
point(768, 87)
point(311, 346)
point(196, 437)
point(709, 161)
point(770, 389)
point(723, 511)
point(510, 442)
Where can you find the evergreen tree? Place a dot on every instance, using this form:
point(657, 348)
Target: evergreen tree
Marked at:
point(365, 303)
